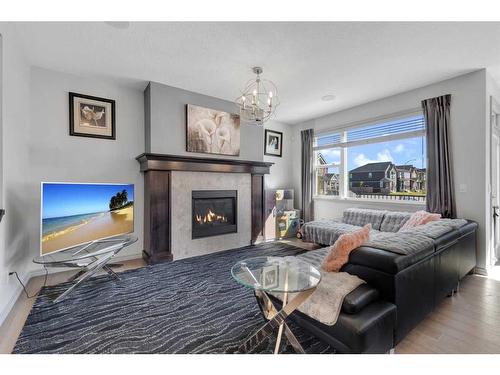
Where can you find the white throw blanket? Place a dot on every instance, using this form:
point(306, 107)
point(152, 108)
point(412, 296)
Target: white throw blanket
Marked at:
point(325, 303)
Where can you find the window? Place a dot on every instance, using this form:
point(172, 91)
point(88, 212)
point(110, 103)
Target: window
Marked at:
point(383, 160)
point(327, 166)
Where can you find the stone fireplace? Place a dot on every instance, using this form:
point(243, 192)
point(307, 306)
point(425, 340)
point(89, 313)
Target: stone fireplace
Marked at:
point(222, 202)
point(214, 212)
point(196, 206)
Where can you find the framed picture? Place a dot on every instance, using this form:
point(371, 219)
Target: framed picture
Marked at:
point(273, 143)
point(211, 131)
point(270, 277)
point(90, 116)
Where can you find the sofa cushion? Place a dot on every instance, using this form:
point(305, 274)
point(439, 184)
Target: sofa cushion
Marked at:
point(420, 218)
point(393, 221)
point(435, 229)
point(359, 298)
point(339, 251)
point(325, 232)
point(361, 216)
point(386, 261)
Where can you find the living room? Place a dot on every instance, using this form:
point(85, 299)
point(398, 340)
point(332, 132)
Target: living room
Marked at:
point(249, 187)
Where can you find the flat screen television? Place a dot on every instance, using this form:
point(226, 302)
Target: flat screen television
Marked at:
point(75, 214)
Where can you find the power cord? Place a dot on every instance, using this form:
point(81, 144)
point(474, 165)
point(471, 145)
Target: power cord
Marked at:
point(24, 287)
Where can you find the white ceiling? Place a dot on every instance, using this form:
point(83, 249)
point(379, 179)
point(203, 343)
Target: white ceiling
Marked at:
point(356, 62)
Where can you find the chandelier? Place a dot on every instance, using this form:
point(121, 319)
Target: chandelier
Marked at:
point(258, 100)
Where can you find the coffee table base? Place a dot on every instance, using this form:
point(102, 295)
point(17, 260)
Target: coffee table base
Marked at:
point(276, 319)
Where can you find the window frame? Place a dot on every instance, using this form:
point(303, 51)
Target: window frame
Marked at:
point(344, 145)
point(316, 167)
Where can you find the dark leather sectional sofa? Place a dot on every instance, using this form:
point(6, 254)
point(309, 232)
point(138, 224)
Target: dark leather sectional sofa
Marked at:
point(400, 291)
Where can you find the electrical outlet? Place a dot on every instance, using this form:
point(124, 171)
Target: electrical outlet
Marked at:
point(462, 188)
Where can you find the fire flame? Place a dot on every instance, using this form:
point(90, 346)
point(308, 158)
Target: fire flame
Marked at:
point(210, 217)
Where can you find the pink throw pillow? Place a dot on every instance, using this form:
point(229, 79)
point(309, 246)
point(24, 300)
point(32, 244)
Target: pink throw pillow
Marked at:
point(340, 250)
point(419, 218)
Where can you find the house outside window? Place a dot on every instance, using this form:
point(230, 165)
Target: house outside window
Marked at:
point(379, 160)
point(327, 168)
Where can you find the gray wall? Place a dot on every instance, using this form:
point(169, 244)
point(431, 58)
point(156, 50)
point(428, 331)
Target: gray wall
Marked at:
point(14, 239)
point(56, 156)
point(166, 122)
point(38, 148)
point(281, 176)
point(468, 145)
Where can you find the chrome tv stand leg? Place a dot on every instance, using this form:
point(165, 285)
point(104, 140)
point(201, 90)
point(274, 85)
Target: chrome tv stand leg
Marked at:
point(95, 261)
point(110, 272)
point(88, 271)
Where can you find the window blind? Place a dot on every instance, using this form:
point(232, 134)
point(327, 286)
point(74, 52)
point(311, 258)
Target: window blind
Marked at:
point(406, 127)
point(400, 126)
point(328, 139)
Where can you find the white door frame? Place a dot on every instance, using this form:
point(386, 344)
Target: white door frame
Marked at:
point(493, 196)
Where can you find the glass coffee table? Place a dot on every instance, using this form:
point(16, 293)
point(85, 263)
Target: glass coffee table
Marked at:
point(277, 275)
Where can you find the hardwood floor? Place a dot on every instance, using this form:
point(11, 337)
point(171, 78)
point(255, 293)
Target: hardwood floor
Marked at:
point(468, 322)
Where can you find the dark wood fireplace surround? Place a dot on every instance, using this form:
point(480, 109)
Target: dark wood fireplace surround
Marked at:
point(157, 169)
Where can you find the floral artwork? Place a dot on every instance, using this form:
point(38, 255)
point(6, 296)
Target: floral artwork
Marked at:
point(212, 132)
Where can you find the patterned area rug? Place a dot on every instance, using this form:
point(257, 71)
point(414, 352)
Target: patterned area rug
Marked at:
point(187, 306)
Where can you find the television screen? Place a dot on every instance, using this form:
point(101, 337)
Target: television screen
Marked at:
point(74, 214)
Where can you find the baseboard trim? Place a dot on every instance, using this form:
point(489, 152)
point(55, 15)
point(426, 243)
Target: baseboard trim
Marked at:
point(480, 271)
point(4, 314)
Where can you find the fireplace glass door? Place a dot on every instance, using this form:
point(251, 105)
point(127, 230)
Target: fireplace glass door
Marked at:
point(214, 212)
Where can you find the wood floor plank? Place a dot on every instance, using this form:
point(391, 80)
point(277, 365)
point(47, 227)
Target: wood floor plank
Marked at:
point(465, 323)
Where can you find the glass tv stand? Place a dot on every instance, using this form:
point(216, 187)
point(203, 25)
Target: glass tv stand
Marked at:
point(88, 259)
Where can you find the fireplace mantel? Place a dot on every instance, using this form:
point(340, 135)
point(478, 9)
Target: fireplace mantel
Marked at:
point(162, 162)
point(158, 168)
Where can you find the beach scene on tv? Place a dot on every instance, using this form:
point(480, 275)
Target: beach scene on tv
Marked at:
point(74, 214)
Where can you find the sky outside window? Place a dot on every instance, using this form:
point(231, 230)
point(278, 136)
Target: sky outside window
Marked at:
point(410, 151)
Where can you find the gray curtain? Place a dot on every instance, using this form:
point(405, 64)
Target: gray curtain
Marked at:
point(440, 197)
point(307, 137)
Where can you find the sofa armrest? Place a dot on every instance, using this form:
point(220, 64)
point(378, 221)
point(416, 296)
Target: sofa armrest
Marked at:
point(359, 298)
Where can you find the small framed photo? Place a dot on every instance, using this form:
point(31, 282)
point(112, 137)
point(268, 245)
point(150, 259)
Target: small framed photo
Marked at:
point(273, 143)
point(90, 116)
point(270, 277)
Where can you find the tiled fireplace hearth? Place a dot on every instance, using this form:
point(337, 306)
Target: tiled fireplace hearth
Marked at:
point(195, 206)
